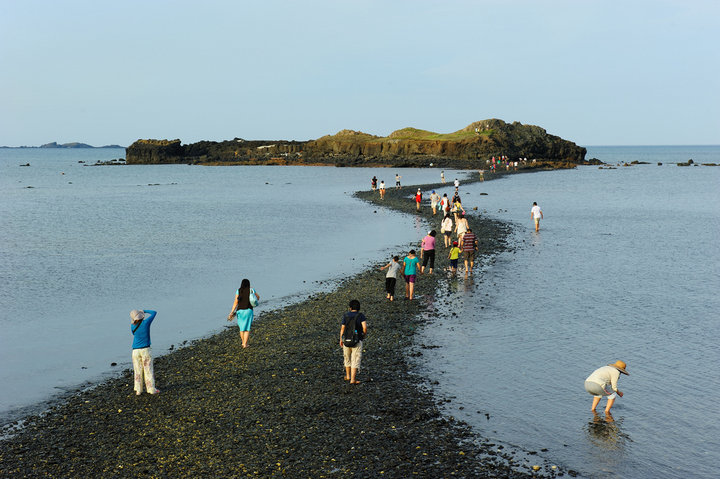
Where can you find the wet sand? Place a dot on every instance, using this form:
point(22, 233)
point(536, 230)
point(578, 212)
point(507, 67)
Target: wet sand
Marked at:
point(280, 407)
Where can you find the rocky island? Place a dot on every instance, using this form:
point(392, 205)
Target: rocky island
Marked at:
point(467, 148)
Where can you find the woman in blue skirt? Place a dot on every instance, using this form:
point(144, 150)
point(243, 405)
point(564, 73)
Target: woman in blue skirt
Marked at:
point(245, 299)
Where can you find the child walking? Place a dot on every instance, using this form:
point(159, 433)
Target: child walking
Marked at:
point(141, 357)
point(453, 257)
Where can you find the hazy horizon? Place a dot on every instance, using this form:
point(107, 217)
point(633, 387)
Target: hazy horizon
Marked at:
point(642, 73)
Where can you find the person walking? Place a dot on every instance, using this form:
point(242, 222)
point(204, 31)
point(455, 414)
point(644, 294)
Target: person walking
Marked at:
point(434, 200)
point(373, 183)
point(461, 227)
point(397, 181)
point(536, 214)
point(446, 228)
point(469, 246)
point(453, 256)
point(382, 190)
point(427, 251)
point(596, 384)
point(418, 199)
point(445, 204)
point(352, 354)
point(140, 320)
point(411, 264)
point(393, 268)
point(457, 208)
point(245, 299)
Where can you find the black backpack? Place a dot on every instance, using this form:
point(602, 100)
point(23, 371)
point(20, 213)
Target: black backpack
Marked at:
point(350, 336)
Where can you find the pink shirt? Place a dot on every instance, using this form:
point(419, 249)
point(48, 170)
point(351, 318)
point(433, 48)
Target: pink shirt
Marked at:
point(428, 243)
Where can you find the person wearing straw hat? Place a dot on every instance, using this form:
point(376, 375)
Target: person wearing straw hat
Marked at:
point(140, 321)
point(596, 384)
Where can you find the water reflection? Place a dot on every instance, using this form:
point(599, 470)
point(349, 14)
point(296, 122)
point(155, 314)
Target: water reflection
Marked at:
point(605, 433)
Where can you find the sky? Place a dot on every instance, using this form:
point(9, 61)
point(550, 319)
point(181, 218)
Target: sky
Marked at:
point(643, 72)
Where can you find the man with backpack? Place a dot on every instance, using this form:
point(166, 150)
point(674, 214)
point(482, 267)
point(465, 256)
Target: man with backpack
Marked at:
point(352, 332)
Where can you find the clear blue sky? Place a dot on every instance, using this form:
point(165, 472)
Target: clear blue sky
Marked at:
point(594, 72)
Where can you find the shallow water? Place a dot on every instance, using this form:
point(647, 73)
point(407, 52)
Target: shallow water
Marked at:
point(625, 266)
point(85, 245)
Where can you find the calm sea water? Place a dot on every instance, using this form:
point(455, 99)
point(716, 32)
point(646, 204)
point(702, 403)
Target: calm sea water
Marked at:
point(625, 266)
point(81, 246)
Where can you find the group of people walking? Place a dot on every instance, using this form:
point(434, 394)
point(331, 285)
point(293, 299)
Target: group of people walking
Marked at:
point(353, 327)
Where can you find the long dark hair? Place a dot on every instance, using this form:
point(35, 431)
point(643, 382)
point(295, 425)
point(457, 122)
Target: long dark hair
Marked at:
point(244, 292)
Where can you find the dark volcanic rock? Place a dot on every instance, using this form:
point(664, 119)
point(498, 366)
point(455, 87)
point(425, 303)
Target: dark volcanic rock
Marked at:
point(409, 147)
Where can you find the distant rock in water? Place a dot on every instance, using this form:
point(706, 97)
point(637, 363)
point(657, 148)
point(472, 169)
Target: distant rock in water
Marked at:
point(55, 144)
point(470, 147)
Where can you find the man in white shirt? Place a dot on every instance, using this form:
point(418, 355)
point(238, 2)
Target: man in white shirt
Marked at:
point(434, 200)
point(597, 382)
point(536, 214)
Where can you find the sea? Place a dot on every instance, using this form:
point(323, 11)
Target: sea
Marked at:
point(625, 266)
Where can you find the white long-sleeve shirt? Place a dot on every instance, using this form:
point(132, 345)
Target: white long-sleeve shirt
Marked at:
point(604, 376)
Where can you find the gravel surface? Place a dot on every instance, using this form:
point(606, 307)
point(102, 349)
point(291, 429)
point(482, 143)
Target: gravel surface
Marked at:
point(281, 406)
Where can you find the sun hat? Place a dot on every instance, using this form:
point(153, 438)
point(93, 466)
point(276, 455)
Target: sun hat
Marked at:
point(137, 315)
point(620, 366)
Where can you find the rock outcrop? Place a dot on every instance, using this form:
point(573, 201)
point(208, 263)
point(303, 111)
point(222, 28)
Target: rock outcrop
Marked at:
point(466, 148)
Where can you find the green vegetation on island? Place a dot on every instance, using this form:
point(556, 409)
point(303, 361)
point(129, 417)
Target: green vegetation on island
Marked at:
point(467, 148)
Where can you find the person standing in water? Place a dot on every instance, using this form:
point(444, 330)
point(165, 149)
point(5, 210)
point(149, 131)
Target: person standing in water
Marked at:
point(382, 190)
point(373, 183)
point(397, 181)
point(536, 214)
point(596, 384)
point(418, 199)
point(442, 176)
point(243, 310)
point(141, 353)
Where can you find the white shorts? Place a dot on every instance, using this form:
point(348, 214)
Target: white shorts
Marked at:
point(598, 391)
point(352, 356)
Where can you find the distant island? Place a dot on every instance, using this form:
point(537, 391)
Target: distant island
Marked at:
point(467, 148)
point(54, 144)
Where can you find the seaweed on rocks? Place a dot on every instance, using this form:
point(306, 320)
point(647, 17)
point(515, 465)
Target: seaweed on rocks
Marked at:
point(277, 408)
